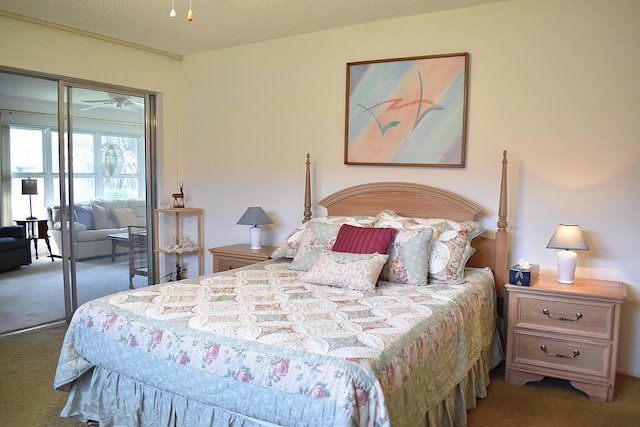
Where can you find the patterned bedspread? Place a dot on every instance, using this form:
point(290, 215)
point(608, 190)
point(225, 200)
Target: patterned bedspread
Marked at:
point(262, 343)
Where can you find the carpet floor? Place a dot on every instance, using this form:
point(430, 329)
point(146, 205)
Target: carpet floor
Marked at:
point(34, 294)
point(28, 362)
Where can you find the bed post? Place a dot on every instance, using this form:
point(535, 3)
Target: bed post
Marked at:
point(501, 268)
point(307, 193)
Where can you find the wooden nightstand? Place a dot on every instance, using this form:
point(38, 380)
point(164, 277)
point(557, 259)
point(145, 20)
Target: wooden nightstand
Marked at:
point(235, 256)
point(565, 331)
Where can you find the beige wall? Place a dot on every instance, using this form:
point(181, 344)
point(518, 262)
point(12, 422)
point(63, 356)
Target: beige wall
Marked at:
point(553, 82)
point(36, 48)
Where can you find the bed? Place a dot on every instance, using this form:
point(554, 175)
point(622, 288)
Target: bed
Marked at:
point(321, 335)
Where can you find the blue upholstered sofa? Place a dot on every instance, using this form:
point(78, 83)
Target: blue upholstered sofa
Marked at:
point(14, 247)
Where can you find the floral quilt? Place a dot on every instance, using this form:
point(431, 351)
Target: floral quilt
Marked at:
point(262, 343)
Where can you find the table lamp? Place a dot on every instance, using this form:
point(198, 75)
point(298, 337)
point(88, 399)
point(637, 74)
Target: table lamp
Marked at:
point(30, 187)
point(255, 216)
point(568, 238)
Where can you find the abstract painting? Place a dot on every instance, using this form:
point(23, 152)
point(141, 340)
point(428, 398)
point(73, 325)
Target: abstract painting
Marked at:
point(407, 111)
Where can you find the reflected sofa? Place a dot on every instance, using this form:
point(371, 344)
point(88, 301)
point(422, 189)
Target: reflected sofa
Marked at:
point(14, 247)
point(94, 220)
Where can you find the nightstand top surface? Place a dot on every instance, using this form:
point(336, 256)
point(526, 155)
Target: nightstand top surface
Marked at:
point(242, 249)
point(580, 287)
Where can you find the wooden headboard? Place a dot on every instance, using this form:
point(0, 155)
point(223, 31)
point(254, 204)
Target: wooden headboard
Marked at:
point(423, 201)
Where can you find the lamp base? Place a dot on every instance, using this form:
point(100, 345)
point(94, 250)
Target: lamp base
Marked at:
point(255, 237)
point(566, 266)
point(30, 217)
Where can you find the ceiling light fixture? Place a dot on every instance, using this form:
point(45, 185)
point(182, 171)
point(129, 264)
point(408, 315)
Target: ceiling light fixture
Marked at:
point(173, 10)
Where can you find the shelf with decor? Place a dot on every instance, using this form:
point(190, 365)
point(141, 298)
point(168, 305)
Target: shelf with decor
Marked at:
point(178, 245)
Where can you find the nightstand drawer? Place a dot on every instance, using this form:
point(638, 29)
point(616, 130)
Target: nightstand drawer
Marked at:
point(572, 356)
point(562, 316)
point(224, 264)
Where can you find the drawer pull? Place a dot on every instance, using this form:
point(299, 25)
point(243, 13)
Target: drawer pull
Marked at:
point(576, 353)
point(546, 313)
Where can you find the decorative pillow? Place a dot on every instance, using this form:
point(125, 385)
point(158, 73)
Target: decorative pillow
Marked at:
point(408, 261)
point(100, 218)
point(305, 262)
point(356, 220)
point(289, 246)
point(363, 240)
point(322, 236)
point(84, 216)
point(345, 270)
point(124, 217)
point(55, 215)
point(451, 249)
point(317, 236)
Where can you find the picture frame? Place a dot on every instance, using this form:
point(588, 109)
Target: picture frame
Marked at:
point(407, 111)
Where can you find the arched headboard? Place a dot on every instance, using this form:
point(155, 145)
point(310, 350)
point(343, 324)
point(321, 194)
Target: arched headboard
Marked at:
point(423, 201)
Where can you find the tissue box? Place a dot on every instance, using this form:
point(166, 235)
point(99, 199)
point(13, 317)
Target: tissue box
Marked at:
point(523, 276)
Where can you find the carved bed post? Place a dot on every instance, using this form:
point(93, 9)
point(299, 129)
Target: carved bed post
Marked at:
point(501, 269)
point(307, 192)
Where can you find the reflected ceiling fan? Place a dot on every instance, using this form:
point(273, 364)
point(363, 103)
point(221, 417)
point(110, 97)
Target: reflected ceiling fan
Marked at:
point(120, 101)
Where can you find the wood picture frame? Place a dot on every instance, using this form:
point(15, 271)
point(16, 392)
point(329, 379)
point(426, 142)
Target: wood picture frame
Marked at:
point(407, 111)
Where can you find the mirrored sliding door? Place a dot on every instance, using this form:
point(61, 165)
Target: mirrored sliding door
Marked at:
point(32, 293)
point(88, 149)
point(105, 192)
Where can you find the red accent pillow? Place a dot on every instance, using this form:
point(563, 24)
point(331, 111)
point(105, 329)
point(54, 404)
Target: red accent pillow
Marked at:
point(363, 240)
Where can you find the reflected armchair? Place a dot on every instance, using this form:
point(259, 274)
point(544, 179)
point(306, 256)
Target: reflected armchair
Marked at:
point(14, 247)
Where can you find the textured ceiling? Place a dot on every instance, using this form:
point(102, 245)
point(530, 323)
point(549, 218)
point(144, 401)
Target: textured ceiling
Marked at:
point(216, 24)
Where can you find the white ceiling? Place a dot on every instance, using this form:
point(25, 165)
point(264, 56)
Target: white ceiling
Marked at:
point(216, 24)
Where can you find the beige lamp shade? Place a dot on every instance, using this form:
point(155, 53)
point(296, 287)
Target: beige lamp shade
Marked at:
point(568, 238)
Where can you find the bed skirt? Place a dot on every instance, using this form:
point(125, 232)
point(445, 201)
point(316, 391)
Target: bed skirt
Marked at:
point(116, 400)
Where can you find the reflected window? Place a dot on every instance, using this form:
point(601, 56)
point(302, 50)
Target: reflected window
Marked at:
point(120, 155)
point(26, 150)
point(83, 152)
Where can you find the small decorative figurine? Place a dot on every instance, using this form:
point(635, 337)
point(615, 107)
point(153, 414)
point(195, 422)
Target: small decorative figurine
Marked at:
point(178, 198)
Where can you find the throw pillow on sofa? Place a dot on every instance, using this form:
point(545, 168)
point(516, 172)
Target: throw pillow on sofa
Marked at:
point(100, 218)
point(84, 215)
point(124, 217)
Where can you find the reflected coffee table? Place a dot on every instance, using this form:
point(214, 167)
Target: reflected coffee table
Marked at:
point(136, 237)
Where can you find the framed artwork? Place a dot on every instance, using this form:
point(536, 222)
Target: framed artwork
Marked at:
point(407, 111)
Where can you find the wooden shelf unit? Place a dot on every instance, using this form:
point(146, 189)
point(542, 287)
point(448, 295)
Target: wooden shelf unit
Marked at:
point(197, 249)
